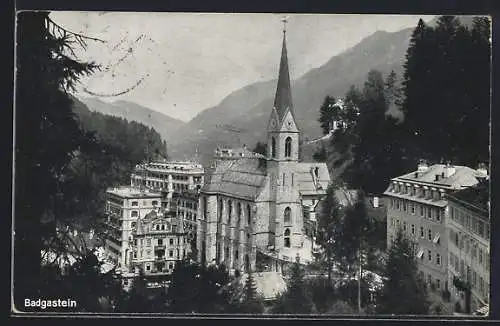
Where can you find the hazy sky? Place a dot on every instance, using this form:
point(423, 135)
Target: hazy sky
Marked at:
point(183, 63)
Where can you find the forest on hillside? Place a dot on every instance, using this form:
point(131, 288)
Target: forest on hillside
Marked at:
point(444, 98)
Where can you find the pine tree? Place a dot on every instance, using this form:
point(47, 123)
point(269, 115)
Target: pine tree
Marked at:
point(404, 291)
point(46, 136)
point(327, 113)
point(296, 299)
point(328, 226)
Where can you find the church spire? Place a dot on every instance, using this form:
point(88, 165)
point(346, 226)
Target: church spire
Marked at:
point(283, 99)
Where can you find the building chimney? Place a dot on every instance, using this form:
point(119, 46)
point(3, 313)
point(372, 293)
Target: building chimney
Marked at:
point(422, 166)
point(449, 170)
point(482, 169)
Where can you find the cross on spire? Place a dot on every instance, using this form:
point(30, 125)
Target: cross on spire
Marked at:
point(285, 21)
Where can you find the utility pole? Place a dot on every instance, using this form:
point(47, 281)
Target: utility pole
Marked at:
point(359, 281)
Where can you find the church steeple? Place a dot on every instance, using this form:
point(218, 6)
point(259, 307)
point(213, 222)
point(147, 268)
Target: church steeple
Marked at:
point(283, 98)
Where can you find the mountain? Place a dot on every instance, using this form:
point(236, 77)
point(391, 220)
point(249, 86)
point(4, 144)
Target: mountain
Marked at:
point(248, 109)
point(166, 126)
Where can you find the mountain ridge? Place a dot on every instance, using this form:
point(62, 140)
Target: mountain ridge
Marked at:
point(248, 108)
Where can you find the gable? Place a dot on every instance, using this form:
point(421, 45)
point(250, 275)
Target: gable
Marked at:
point(273, 123)
point(288, 123)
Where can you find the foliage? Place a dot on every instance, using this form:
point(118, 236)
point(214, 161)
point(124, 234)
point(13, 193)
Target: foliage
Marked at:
point(197, 289)
point(327, 113)
point(447, 90)
point(297, 298)
point(83, 282)
point(404, 291)
point(47, 136)
point(328, 226)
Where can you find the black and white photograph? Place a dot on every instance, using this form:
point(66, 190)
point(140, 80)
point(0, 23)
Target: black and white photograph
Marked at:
point(251, 165)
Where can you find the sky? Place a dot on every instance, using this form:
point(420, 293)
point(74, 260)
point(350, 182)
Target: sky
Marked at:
point(182, 63)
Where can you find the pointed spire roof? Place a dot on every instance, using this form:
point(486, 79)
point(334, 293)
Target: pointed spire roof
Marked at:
point(283, 98)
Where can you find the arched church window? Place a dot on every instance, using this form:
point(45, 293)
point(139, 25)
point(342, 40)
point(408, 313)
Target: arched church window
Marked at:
point(249, 214)
point(287, 238)
point(288, 147)
point(205, 207)
point(230, 211)
point(287, 215)
point(238, 211)
point(221, 203)
point(273, 147)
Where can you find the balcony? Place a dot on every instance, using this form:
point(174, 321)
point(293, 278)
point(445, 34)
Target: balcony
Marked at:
point(160, 258)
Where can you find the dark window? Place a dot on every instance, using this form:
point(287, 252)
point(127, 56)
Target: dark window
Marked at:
point(287, 238)
point(287, 216)
point(171, 241)
point(273, 147)
point(160, 242)
point(249, 214)
point(238, 211)
point(288, 147)
point(230, 211)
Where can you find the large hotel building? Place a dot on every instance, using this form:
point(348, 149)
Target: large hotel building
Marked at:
point(168, 177)
point(469, 245)
point(418, 205)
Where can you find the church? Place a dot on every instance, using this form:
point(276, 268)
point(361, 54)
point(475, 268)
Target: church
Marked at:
point(254, 210)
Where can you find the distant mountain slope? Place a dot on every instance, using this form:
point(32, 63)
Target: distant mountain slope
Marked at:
point(166, 126)
point(248, 109)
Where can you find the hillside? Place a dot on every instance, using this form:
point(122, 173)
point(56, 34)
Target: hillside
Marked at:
point(166, 126)
point(248, 109)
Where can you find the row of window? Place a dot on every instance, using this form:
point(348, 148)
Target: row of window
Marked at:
point(159, 241)
point(423, 192)
point(149, 254)
point(437, 256)
point(189, 215)
point(135, 203)
point(470, 222)
point(429, 280)
point(170, 267)
point(188, 204)
point(229, 211)
point(433, 237)
point(471, 248)
point(410, 207)
point(469, 274)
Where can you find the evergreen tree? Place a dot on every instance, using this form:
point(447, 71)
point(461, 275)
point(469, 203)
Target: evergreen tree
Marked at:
point(446, 90)
point(296, 299)
point(328, 226)
point(327, 112)
point(46, 137)
point(404, 291)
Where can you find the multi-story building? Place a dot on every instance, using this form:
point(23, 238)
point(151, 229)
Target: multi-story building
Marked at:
point(168, 177)
point(247, 207)
point(417, 205)
point(469, 245)
point(124, 206)
point(158, 241)
point(186, 204)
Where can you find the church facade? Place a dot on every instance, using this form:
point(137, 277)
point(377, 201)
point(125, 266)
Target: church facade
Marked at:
point(253, 206)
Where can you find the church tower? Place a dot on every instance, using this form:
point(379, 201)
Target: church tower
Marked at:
point(285, 211)
point(283, 134)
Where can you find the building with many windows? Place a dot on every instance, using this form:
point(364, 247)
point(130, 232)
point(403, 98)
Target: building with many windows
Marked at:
point(124, 207)
point(469, 244)
point(168, 177)
point(417, 205)
point(186, 206)
point(158, 241)
point(247, 207)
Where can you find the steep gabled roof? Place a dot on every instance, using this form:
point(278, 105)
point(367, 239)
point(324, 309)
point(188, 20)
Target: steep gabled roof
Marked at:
point(283, 98)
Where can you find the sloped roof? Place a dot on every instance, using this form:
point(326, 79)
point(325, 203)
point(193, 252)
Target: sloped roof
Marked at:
point(283, 98)
point(306, 179)
point(476, 196)
point(463, 176)
point(242, 178)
